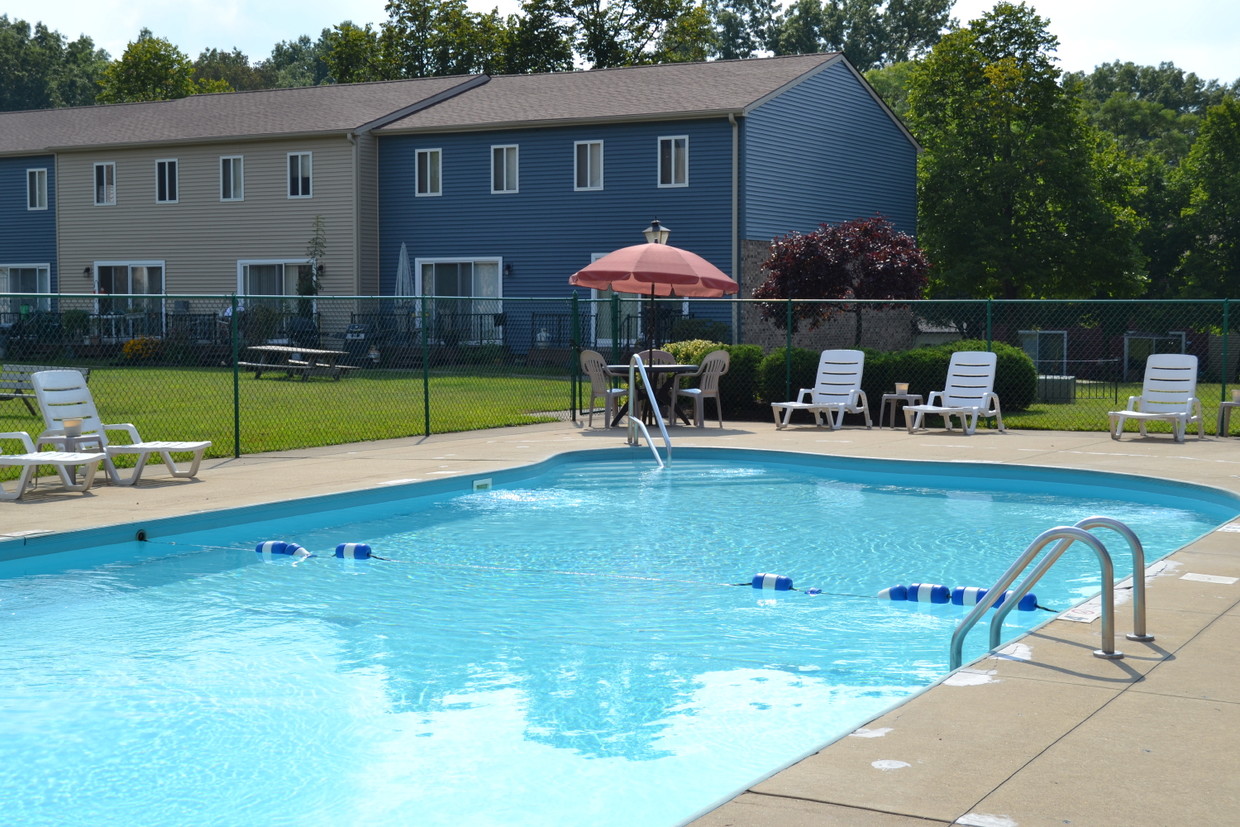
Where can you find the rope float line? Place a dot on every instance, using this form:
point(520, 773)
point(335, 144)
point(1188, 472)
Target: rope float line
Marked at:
point(959, 596)
point(915, 592)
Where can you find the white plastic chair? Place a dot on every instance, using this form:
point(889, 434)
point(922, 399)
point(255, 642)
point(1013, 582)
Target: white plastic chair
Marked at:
point(595, 367)
point(969, 393)
point(65, 463)
point(63, 394)
point(836, 392)
point(714, 365)
point(1168, 393)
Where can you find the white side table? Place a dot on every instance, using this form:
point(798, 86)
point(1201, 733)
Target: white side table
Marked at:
point(1224, 417)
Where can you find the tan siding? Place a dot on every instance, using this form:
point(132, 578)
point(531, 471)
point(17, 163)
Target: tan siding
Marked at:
point(200, 238)
point(368, 215)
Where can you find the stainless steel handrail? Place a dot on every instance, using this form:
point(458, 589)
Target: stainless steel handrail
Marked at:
point(1138, 582)
point(635, 424)
point(1067, 535)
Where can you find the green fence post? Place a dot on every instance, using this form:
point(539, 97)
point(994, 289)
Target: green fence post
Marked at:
point(426, 367)
point(788, 350)
point(575, 326)
point(989, 323)
point(615, 328)
point(235, 342)
point(1226, 338)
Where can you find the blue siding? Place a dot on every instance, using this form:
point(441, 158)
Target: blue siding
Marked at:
point(547, 230)
point(27, 236)
point(825, 151)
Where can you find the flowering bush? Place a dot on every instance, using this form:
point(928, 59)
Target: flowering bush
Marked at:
point(141, 349)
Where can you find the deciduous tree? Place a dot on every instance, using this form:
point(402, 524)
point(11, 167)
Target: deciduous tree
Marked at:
point(1211, 267)
point(1018, 197)
point(866, 258)
point(152, 69)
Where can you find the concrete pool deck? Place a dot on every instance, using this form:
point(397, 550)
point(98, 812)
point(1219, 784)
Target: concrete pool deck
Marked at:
point(1047, 734)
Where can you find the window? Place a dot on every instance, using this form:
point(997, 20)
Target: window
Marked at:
point(674, 161)
point(272, 278)
point(299, 175)
point(428, 182)
point(25, 278)
point(589, 165)
point(467, 304)
point(166, 181)
point(105, 184)
point(36, 189)
point(232, 178)
point(119, 283)
point(503, 169)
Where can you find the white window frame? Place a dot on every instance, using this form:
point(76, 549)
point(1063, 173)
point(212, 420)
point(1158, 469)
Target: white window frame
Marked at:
point(480, 303)
point(594, 163)
point(289, 286)
point(232, 177)
point(43, 273)
point(36, 188)
point(509, 156)
point(430, 185)
point(105, 192)
point(167, 180)
point(678, 175)
point(294, 188)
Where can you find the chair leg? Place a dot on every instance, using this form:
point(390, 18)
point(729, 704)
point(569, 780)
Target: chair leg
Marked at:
point(19, 487)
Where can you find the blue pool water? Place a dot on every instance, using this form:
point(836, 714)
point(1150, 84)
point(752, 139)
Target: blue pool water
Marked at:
point(566, 648)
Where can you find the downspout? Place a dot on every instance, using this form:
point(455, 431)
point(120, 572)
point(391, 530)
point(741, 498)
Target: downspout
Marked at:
point(357, 218)
point(736, 220)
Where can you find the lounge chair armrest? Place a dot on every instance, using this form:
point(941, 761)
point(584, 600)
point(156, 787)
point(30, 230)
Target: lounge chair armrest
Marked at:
point(22, 437)
point(934, 395)
point(806, 395)
point(1134, 403)
point(128, 427)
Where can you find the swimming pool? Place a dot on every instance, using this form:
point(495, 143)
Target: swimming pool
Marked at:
point(571, 623)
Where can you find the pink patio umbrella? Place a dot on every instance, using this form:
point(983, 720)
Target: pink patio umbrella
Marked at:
point(656, 270)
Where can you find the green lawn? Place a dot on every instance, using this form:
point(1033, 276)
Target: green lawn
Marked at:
point(278, 414)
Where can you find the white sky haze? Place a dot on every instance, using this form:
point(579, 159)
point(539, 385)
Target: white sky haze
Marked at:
point(1196, 35)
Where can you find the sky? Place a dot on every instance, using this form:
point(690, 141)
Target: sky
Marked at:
point(1196, 35)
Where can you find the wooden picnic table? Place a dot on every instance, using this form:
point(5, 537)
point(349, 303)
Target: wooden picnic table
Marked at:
point(293, 360)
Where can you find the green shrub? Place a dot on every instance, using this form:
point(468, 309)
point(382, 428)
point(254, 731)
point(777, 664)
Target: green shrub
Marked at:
point(739, 388)
point(925, 369)
point(773, 373)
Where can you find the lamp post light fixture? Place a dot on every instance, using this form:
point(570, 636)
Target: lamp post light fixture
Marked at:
point(656, 233)
point(88, 272)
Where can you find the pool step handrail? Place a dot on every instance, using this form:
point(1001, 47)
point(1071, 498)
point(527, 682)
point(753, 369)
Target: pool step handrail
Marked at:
point(1066, 535)
point(636, 366)
point(1138, 582)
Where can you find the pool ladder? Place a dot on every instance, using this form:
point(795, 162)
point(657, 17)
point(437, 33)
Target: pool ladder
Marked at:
point(637, 366)
point(1066, 535)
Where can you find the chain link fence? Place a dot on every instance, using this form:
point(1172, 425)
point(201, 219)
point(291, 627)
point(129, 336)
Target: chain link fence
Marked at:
point(267, 373)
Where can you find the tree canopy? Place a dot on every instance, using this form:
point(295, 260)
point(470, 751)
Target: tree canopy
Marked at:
point(1017, 196)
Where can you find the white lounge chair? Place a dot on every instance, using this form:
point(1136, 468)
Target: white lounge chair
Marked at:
point(65, 463)
point(969, 393)
point(63, 394)
point(836, 392)
point(595, 367)
point(1169, 393)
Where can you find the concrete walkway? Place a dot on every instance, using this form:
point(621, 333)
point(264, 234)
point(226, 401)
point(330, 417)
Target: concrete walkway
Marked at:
point(1046, 734)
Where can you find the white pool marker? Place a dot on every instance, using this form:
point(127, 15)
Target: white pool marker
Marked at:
point(869, 733)
point(482, 485)
point(984, 820)
point(889, 764)
point(1210, 578)
point(971, 677)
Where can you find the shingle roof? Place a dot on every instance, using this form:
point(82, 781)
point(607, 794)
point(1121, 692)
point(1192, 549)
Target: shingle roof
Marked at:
point(271, 112)
point(635, 92)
